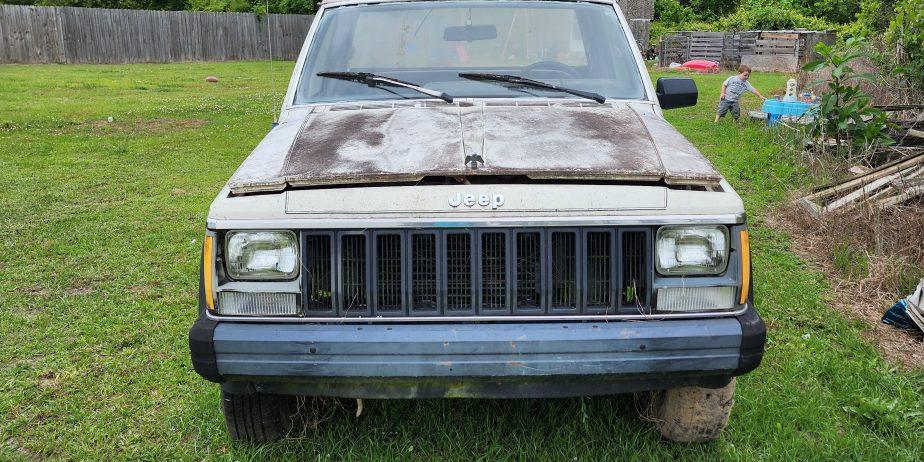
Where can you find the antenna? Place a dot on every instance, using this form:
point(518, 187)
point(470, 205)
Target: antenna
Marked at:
point(269, 41)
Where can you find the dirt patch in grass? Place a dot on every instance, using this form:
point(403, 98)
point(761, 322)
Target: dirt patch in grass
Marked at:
point(48, 380)
point(872, 259)
point(80, 286)
point(141, 126)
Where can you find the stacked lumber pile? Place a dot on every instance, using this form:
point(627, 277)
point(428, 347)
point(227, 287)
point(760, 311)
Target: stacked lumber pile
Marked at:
point(914, 306)
point(884, 187)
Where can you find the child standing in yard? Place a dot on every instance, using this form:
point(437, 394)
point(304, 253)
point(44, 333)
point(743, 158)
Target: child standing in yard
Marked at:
point(732, 89)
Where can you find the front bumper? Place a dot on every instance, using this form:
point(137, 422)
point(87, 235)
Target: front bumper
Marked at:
point(502, 360)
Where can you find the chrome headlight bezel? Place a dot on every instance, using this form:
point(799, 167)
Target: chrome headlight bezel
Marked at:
point(287, 237)
point(715, 234)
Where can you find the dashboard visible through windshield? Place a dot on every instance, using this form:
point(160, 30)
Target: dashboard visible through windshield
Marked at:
point(581, 46)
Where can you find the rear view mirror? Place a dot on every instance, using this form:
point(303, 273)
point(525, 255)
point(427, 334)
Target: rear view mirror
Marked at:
point(674, 92)
point(470, 33)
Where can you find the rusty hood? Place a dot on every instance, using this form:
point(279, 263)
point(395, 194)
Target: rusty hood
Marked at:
point(350, 145)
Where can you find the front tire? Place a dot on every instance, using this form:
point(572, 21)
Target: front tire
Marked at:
point(693, 414)
point(258, 418)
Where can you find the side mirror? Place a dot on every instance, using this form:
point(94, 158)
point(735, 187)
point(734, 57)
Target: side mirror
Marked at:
point(674, 92)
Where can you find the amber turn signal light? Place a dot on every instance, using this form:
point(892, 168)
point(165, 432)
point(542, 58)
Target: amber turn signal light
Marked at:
point(208, 272)
point(745, 267)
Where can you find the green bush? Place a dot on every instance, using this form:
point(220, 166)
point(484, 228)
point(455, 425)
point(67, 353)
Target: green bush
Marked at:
point(832, 11)
point(770, 15)
point(846, 114)
point(873, 18)
point(906, 30)
point(671, 13)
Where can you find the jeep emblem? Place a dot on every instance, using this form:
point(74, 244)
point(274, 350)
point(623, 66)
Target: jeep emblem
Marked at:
point(483, 200)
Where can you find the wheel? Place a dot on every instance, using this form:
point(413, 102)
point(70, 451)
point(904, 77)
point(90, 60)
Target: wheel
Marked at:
point(258, 418)
point(692, 414)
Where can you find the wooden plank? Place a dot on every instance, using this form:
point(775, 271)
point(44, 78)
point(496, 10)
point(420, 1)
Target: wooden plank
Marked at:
point(884, 170)
point(907, 194)
point(777, 35)
point(30, 34)
point(864, 191)
point(771, 63)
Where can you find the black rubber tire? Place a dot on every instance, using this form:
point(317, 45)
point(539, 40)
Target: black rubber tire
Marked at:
point(692, 414)
point(258, 418)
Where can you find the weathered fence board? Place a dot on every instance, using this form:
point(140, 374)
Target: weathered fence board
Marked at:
point(762, 50)
point(31, 34)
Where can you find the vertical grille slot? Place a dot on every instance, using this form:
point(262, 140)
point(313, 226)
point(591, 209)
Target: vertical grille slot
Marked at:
point(388, 272)
point(353, 271)
point(318, 272)
point(493, 271)
point(598, 269)
point(458, 272)
point(634, 290)
point(564, 270)
point(529, 270)
point(423, 271)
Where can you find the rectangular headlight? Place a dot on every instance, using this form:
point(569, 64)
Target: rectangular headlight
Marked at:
point(257, 304)
point(693, 299)
point(690, 250)
point(261, 255)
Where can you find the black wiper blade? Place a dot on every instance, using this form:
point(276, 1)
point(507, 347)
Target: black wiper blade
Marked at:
point(374, 80)
point(532, 83)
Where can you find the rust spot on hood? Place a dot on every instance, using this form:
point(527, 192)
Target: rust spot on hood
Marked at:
point(544, 141)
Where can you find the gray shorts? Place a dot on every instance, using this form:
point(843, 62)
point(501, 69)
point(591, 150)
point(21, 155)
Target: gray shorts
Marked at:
point(726, 105)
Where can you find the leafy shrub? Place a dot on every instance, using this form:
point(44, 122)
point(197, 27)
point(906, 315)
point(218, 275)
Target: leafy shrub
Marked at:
point(845, 113)
point(770, 15)
point(873, 18)
point(672, 14)
point(906, 30)
point(710, 10)
point(832, 11)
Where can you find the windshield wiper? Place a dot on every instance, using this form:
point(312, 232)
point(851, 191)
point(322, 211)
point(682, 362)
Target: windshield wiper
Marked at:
point(532, 83)
point(374, 80)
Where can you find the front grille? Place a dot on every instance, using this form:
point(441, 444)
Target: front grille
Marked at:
point(469, 272)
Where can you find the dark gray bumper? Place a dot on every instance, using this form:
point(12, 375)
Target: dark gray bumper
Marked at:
point(491, 360)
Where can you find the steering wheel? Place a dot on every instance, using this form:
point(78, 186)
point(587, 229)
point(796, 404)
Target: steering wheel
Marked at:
point(553, 66)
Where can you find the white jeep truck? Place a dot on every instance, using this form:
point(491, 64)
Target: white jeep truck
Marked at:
point(476, 198)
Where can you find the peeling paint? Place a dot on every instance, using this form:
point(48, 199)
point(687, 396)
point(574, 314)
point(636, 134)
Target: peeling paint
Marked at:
point(386, 144)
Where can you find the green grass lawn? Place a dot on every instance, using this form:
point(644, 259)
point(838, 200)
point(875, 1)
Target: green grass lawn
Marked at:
point(100, 233)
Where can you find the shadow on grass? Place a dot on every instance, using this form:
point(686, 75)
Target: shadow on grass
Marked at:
point(597, 428)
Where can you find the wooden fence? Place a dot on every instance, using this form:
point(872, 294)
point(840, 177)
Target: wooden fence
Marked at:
point(782, 51)
point(31, 34)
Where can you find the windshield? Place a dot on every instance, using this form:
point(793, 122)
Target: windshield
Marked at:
point(576, 45)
